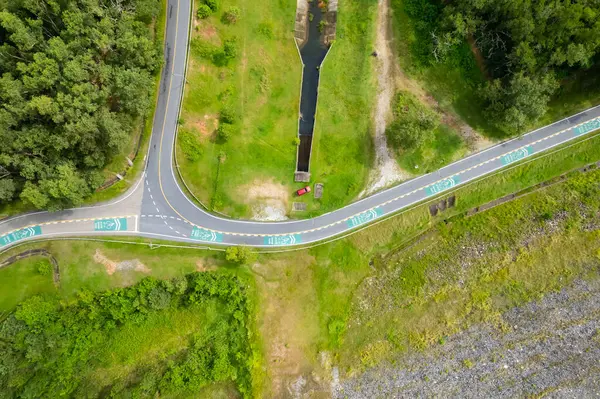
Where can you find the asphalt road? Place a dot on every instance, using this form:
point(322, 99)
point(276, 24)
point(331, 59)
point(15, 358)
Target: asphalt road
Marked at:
point(157, 207)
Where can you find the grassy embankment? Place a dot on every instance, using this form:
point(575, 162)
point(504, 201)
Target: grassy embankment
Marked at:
point(261, 86)
point(314, 300)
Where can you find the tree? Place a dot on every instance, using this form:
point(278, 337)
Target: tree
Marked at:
point(518, 103)
point(240, 255)
point(75, 78)
point(204, 11)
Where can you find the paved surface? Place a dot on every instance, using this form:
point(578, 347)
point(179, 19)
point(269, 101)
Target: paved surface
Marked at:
point(162, 210)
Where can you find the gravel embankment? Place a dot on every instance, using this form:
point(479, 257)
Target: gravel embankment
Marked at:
point(549, 348)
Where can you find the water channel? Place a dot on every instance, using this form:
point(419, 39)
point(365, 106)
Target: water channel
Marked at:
point(312, 52)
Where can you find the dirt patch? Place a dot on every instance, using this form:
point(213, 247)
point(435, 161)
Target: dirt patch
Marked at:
point(269, 200)
point(112, 266)
point(206, 265)
point(387, 171)
point(205, 125)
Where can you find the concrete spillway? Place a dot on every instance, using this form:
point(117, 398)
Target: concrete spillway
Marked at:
point(315, 23)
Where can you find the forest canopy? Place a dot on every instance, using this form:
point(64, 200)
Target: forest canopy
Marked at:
point(528, 47)
point(75, 80)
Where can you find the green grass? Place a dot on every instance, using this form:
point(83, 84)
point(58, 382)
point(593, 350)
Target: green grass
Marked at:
point(342, 151)
point(21, 280)
point(262, 84)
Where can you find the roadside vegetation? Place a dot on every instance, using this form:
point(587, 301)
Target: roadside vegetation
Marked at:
point(395, 288)
point(170, 337)
point(75, 90)
point(239, 124)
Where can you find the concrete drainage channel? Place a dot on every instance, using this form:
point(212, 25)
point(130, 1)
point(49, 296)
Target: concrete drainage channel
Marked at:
point(314, 33)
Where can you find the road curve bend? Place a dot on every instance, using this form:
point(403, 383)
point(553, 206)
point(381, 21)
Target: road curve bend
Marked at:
point(156, 207)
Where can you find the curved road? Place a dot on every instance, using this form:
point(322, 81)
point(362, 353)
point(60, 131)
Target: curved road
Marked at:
point(157, 207)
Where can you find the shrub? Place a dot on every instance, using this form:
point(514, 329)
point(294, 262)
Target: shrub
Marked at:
point(240, 255)
point(230, 48)
point(212, 4)
point(7, 190)
point(228, 114)
point(266, 29)
point(203, 48)
point(224, 132)
point(189, 145)
point(204, 11)
point(232, 15)
point(44, 268)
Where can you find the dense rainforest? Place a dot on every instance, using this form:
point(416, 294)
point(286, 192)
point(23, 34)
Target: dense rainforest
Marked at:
point(528, 48)
point(75, 80)
point(53, 347)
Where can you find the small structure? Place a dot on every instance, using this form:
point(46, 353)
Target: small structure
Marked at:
point(298, 206)
point(318, 190)
point(302, 176)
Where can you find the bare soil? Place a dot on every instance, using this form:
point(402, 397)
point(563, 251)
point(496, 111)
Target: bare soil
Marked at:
point(112, 266)
point(269, 200)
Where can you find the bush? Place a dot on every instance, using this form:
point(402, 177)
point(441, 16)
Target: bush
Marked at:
point(203, 48)
point(189, 145)
point(266, 29)
point(44, 268)
point(228, 115)
point(232, 15)
point(224, 132)
point(212, 4)
point(413, 123)
point(7, 190)
point(204, 11)
point(230, 48)
point(240, 255)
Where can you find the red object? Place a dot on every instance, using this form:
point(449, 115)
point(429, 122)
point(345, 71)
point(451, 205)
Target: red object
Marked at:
point(303, 191)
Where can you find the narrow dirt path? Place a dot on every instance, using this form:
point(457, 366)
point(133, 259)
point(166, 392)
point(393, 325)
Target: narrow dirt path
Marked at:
point(386, 169)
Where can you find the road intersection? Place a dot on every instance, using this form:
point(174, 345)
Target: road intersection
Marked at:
point(157, 207)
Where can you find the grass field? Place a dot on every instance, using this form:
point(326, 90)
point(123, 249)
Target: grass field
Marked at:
point(261, 85)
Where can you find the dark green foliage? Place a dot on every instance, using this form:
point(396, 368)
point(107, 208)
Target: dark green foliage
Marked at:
point(524, 45)
point(7, 189)
point(522, 100)
point(47, 344)
point(413, 123)
point(228, 114)
point(204, 11)
point(230, 48)
point(212, 4)
point(75, 77)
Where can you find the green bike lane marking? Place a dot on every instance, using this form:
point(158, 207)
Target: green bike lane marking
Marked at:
point(206, 235)
point(517, 155)
point(442, 185)
point(114, 224)
point(20, 235)
point(290, 239)
point(364, 217)
point(587, 127)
